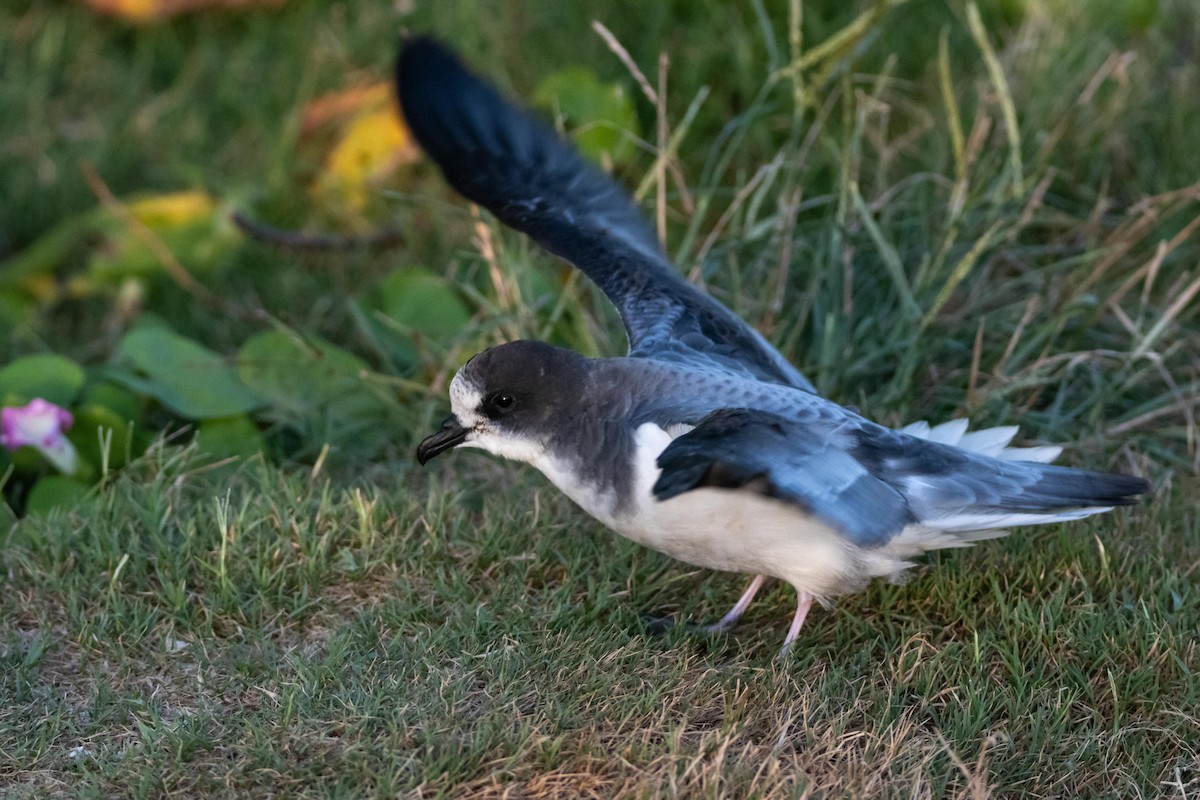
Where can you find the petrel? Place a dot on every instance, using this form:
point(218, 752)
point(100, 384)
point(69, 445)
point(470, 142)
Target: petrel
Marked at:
point(702, 442)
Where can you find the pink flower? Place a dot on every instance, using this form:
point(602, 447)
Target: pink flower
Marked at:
point(40, 425)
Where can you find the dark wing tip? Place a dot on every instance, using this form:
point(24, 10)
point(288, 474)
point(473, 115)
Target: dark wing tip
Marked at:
point(491, 151)
point(1062, 487)
point(425, 63)
point(1121, 490)
point(504, 157)
point(429, 76)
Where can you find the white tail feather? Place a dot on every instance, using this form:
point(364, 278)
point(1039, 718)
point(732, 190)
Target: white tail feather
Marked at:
point(977, 522)
point(1043, 455)
point(949, 432)
point(991, 442)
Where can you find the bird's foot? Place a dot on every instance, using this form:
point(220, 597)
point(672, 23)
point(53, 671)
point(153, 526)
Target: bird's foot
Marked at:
point(804, 602)
point(727, 622)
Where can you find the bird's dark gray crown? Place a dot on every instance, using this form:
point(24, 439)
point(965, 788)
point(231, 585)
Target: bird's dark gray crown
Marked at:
point(523, 362)
point(543, 380)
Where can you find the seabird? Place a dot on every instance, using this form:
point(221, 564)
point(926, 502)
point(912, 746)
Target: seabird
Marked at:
point(703, 442)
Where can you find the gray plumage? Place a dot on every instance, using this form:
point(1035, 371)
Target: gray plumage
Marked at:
point(703, 442)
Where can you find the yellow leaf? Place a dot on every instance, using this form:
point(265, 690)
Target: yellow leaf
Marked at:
point(175, 208)
point(132, 10)
point(140, 11)
point(342, 105)
point(43, 288)
point(374, 145)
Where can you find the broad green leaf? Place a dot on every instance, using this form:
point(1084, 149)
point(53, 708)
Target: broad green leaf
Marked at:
point(32, 269)
point(230, 437)
point(16, 309)
point(54, 491)
point(422, 308)
point(117, 399)
point(53, 378)
point(317, 388)
point(299, 376)
point(96, 427)
point(423, 303)
point(190, 380)
point(597, 114)
point(189, 224)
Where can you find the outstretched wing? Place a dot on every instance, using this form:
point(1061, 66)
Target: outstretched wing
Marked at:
point(869, 483)
point(504, 159)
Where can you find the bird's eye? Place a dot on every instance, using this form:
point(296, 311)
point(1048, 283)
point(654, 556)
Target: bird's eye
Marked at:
point(503, 402)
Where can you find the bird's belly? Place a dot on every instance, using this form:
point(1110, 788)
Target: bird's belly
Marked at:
point(741, 532)
point(730, 530)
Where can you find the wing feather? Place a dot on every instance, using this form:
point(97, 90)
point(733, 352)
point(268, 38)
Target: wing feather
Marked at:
point(870, 483)
point(509, 162)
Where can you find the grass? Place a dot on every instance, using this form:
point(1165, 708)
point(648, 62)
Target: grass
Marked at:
point(348, 629)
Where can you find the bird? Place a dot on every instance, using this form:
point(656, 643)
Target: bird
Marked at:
point(702, 442)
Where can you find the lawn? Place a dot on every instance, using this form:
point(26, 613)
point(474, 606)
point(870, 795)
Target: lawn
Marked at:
point(252, 590)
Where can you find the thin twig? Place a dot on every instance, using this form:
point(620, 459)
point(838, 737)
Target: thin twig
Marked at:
point(157, 246)
point(672, 163)
point(660, 196)
point(976, 357)
point(298, 240)
point(1185, 405)
point(621, 53)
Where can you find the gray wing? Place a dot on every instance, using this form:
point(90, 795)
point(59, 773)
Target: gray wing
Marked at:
point(869, 482)
point(763, 452)
point(957, 490)
point(501, 157)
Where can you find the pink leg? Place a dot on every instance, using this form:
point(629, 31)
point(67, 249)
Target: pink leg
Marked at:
point(804, 602)
point(735, 613)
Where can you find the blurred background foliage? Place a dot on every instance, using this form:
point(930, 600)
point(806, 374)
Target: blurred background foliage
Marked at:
point(217, 241)
point(869, 206)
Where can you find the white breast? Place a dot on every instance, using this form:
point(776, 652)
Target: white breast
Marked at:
point(732, 530)
point(740, 531)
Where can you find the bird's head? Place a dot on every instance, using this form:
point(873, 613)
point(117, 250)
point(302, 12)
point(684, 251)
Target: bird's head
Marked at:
point(510, 399)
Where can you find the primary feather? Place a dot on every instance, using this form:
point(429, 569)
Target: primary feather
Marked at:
point(512, 164)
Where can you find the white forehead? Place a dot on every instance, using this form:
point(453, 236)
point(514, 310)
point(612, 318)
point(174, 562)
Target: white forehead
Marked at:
point(464, 396)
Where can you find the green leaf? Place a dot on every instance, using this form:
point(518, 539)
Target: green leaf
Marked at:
point(423, 302)
point(298, 376)
point(190, 380)
point(53, 378)
point(597, 114)
point(54, 491)
point(97, 427)
point(425, 307)
point(122, 402)
point(317, 388)
point(33, 267)
point(16, 309)
point(230, 437)
point(200, 245)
